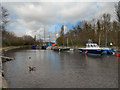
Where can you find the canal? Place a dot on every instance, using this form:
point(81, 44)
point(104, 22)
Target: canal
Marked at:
point(60, 70)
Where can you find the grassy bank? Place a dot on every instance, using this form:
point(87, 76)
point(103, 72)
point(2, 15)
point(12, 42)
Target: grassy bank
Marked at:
point(11, 47)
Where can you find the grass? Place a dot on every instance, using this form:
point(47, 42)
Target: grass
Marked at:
point(8, 47)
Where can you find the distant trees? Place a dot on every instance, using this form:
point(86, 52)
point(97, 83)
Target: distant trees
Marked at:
point(118, 12)
point(3, 23)
point(118, 19)
point(61, 38)
point(102, 29)
point(9, 38)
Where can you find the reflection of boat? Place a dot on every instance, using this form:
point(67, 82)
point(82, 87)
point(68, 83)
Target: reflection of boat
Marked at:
point(61, 49)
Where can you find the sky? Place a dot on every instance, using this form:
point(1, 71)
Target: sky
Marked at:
point(33, 18)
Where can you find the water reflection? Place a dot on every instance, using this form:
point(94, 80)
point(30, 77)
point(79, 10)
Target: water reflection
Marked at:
point(60, 69)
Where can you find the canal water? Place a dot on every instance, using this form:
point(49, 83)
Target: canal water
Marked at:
point(60, 70)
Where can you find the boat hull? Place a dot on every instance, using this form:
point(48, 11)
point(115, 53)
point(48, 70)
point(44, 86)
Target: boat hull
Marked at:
point(44, 47)
point(91, 51)
point(62, 49)
point(33, 47)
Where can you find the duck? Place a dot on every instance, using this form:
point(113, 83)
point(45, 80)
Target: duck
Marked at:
point(31, 68)
point(29, 57)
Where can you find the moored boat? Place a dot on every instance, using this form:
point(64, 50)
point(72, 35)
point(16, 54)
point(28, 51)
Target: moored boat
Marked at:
point(71, 49)
point(34, 46)
point(61, 49)
point(108, 50)
point(44, 46)
point(93, 48)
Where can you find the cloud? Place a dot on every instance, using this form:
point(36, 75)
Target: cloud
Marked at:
point(59, 0)
point(33, 18)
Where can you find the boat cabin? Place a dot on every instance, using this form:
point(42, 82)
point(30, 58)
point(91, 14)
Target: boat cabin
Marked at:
point(92, 45)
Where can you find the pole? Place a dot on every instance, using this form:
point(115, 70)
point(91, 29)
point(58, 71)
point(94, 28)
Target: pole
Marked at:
point(67, 41)
point(63, 35)
point(49, 37)
point(44, 34)
point(55, 34)
point(39, 38)
point(99, 38)
point(106, 38)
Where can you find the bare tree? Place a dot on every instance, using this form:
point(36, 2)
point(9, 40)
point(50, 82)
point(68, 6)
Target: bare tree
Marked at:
point(4, 17)
point(118, 19)
point(118, 12)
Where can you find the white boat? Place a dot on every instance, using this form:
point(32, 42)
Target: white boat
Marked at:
point(93, 48)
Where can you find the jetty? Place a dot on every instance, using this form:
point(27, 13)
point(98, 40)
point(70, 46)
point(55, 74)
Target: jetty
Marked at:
point(4, 58)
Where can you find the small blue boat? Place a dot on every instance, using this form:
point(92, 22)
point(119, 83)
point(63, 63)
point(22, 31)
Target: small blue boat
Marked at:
point(44, 47)
point(108, 51)
point(34, 46)
point(61, 49)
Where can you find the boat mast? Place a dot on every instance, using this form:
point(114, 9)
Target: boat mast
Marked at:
point(70, 38)
point(55, 33)
point(49, 37)
point(67, 38)
point(44, 34)
point(106, 39)
point(63, 35)
point(67, 41)
point(99, 38)
point(35, 39)
point(39, 37)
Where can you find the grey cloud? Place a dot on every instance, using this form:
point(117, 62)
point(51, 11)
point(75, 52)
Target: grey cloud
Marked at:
point(33, 16)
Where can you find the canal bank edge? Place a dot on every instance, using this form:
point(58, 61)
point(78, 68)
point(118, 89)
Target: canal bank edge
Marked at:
point(3, 82)
point(12, 47)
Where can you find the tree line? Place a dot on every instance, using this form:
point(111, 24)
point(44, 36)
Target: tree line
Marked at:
point(102, 31)
point(8, 37)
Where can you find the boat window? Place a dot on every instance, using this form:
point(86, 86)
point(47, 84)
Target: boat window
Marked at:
point(94, 45)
